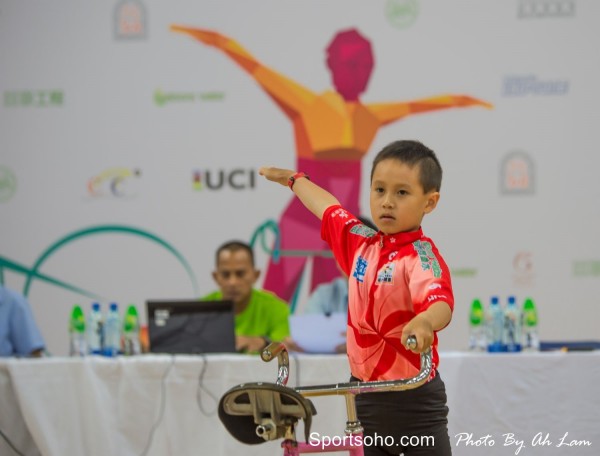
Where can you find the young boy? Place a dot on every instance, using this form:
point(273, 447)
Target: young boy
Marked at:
point(399, 286)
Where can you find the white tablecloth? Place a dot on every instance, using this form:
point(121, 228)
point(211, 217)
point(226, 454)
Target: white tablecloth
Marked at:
point(161, 405)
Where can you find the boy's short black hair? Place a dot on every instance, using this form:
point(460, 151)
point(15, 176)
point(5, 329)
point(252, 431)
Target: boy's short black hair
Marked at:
point(234, 246)
point(414, 153)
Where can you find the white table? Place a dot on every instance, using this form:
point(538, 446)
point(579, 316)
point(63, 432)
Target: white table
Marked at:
point(161, 405)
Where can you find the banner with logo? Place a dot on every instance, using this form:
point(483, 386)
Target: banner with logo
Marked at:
point(132, 132)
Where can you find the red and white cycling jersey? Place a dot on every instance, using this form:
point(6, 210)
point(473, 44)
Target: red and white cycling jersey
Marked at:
point(392, 278)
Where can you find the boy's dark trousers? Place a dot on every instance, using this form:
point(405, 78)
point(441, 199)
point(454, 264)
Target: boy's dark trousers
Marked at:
point(412, 422)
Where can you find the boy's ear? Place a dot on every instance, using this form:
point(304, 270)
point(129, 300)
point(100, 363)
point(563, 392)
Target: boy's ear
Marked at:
point(432, 200)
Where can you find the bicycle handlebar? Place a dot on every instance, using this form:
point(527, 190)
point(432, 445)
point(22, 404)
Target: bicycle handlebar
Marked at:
point(278, 349)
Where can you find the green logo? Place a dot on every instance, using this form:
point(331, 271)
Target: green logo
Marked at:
point(33, 98)
point(429, 262)
point(162, 98)
point(586, 268)
point(463, 272)
point(402, 13)
point(8, 184)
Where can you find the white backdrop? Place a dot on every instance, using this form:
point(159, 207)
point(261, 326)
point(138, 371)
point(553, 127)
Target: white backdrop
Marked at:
point(101, 133)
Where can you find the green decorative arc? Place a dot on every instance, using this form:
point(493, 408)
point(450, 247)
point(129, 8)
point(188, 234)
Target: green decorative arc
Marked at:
point(101, 229)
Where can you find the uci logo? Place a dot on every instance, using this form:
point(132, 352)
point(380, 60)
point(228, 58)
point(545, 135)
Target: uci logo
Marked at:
point(546, 8)
point(237, 179)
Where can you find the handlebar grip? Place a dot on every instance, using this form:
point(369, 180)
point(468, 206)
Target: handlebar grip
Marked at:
point(411, 343)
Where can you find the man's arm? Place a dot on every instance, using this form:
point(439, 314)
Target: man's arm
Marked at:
point(315, 198)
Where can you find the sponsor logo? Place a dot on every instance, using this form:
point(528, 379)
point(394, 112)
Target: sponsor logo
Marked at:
point(463, 272)
point(39, 98)
point(236, 179)
point(362, 230)
point(436, 298)
point(163, 98)
point(8, 184)
point(517, 174)
point(401, 14)
point(130, 20)
point(524, 85)
point(429, 262)
point(539, 9)
point(340, 213)
point(386, 274)
point(115, 182)
point(360, 269)
point(523, 269)
point(586, 268)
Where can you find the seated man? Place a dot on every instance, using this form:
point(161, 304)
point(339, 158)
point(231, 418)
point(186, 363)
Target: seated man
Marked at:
point(19, 334)
point(260, 316)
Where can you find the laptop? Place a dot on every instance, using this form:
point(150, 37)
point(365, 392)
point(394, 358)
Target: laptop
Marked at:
point(190, 326)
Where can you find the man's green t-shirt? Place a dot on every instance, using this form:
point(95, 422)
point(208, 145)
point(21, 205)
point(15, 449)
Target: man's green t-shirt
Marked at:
point(265, 316)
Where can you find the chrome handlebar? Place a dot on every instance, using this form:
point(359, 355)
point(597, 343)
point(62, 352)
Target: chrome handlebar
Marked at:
point(349, 388)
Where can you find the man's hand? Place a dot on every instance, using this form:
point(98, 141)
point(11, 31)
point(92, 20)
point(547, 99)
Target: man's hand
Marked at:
point(249, 344)
point(291, 345)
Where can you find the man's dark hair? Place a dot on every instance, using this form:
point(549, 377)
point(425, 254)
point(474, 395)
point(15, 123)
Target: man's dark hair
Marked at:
point(234, 246)
point(414, 153)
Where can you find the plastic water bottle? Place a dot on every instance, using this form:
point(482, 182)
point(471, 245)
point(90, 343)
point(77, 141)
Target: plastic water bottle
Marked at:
point(477, 339)
point(95, 331)
point(131, 332)
point(512, 325)
point(77, 342)
point(496, 333)
point(112, 331)
point(531, 339)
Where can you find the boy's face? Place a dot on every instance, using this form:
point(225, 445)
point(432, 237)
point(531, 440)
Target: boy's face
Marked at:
point(398, 202)
point(235, 275)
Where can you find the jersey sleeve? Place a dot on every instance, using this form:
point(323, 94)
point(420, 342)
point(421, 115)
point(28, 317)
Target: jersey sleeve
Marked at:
point(344, 233)
point(429, 280)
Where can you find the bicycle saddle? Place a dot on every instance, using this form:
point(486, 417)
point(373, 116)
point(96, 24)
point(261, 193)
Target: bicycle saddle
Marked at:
point(257, 412)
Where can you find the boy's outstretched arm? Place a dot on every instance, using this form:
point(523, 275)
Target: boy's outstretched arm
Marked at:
point(315, 198)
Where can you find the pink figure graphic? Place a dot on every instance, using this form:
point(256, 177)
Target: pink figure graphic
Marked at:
point(333, 130)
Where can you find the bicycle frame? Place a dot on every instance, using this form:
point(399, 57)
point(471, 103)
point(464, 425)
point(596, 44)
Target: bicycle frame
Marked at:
point(353, 439)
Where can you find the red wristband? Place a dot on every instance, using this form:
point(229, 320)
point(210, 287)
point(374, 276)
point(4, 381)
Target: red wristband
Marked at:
point(295, 177)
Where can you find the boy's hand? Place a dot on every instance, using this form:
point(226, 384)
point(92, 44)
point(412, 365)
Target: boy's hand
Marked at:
point(278, 175)
point(421, 328)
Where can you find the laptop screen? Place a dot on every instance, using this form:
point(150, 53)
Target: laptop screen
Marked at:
point(190, 326)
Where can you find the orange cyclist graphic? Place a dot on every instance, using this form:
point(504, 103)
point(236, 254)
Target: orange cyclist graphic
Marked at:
point(333, 130)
